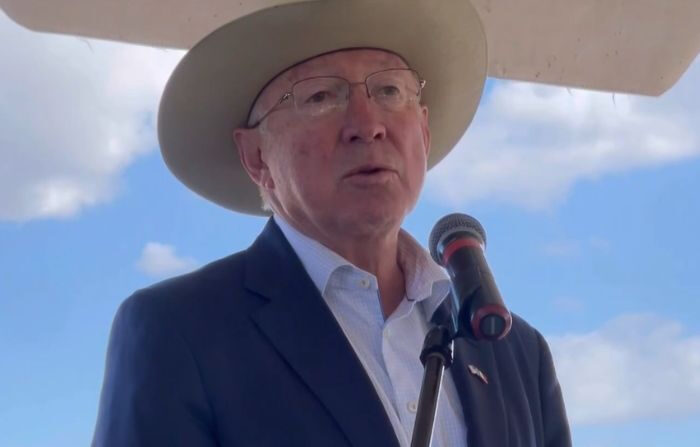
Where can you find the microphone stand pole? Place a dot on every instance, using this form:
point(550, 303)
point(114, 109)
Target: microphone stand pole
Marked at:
point(436, 356)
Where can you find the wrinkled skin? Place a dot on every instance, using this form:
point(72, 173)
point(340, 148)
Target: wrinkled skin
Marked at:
point(347, 179)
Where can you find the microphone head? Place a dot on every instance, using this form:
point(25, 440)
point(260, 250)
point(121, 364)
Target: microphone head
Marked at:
point(449, 225)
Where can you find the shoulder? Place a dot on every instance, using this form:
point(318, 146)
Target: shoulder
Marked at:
point(157, 347)
point(533, 359)
point(212, 294)
point(525, 345)
point(523, 332)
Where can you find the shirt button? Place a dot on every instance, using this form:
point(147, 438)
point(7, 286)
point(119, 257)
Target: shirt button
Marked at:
point(412, 407)
point(364, 282)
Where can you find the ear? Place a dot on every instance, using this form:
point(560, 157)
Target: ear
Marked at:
point(248, 142)
point(425, 128)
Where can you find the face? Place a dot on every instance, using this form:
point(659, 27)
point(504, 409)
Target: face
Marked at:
point(354, 171)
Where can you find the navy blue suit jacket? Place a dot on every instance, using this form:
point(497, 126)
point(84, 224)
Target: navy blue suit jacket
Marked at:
point(244, 352)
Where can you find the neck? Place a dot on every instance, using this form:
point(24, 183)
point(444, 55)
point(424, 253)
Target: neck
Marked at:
point(375, 253)
point(379, 256)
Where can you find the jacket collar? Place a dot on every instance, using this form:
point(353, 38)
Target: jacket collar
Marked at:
point(302, 328)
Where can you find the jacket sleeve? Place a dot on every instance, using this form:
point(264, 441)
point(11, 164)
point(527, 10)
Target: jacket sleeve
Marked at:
point(152, 393)
point(556, 424)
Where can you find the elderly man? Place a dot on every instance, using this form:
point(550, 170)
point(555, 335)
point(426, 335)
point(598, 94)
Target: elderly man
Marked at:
point(311, 336)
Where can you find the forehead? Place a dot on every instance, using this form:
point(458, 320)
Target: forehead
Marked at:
point(362, 61)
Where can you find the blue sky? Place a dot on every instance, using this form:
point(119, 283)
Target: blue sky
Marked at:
point(590, 204)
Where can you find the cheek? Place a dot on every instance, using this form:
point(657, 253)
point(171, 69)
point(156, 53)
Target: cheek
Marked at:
point(416, 150)
point(416, 161)
point(304, 164)
point(308, 153)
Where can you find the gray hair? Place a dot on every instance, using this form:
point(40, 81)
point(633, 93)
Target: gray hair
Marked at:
point(264, 200)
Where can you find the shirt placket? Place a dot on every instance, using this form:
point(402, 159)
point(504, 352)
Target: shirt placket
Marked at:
point(398, 335)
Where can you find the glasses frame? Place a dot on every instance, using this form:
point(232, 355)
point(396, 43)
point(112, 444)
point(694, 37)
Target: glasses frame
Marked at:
point(288, 94)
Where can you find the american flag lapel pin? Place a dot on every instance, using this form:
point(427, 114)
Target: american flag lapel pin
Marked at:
point(478, 373)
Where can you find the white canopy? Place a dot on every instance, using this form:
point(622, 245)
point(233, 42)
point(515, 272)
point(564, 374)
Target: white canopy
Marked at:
point(635, 46)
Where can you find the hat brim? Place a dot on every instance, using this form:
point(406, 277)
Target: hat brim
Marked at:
point(212, 88)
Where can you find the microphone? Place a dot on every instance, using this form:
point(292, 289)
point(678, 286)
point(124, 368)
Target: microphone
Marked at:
point(457, 243)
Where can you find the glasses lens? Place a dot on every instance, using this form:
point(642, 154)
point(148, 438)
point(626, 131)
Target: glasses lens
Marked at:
point(317, 96)
point(393, 88)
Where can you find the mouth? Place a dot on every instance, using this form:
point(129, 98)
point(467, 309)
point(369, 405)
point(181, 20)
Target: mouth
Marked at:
point(369, 170)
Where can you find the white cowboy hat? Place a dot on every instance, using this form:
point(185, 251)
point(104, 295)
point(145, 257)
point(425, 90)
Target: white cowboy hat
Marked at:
point(641, 47)
point(212, 89)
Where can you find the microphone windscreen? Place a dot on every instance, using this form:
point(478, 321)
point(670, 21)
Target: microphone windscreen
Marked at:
point(449, 225)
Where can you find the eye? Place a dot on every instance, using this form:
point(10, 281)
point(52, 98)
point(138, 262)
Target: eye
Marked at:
point(388, 91)
point(320, 97)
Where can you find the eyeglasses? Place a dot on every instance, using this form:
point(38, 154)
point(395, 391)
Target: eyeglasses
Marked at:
point(390, 89)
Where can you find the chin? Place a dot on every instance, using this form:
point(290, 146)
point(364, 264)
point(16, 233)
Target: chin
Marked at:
point(375, 219)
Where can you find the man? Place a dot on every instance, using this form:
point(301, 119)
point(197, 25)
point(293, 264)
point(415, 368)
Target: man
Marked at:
point(311, 336)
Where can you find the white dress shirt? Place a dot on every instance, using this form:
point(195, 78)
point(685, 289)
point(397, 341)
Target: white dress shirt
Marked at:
point(388, 349)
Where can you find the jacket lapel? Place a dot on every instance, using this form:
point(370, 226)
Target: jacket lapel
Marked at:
point(483, 404)
point(302, 328)
point(475, 375)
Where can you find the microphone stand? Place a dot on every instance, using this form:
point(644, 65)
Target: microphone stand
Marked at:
point(436, 356)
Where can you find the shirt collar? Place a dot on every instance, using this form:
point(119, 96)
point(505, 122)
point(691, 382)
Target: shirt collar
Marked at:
point(425, 280)
point(319, 261)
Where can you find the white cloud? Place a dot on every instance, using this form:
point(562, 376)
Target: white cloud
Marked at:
point(73, 114)
point(635, 367)
point(160, 260)
point(530, 143)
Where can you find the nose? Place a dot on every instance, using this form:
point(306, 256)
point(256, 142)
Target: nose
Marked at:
point(363, 119)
